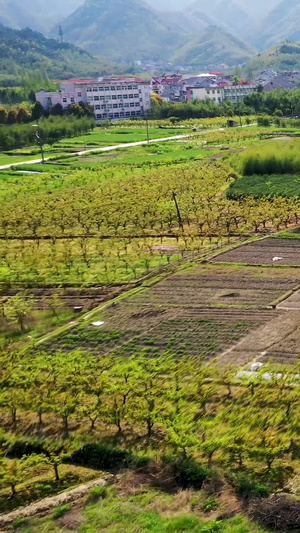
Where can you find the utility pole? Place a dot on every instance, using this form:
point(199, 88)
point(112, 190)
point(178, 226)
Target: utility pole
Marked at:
point(174, 195)
point(40, 141)
point(147, 127)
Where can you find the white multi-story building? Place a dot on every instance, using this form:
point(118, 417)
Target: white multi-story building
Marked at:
point(220, 91)
point(111, 98)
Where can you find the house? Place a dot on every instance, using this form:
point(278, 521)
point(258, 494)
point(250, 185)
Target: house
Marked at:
point(218, 91)
point(111, 97)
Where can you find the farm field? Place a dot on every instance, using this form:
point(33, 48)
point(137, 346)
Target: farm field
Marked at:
point(133, 291)
point(264, 252)
point(199, 311)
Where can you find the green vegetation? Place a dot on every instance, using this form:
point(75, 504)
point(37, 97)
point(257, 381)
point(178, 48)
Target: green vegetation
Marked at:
point(130, 383)
point(27, 49)
point(275, 157)
point(50, 130)
point(269, 185)
point(215, 43)
point(282, 57)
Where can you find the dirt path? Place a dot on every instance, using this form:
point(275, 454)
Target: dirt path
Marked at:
point(45, 505)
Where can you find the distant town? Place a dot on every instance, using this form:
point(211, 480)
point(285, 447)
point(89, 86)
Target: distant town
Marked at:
point(116, 98)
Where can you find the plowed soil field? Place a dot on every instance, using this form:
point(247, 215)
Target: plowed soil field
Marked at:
point(204, 311)
point(271, 251)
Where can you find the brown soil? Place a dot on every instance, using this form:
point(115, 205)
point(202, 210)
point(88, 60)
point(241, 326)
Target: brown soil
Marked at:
point(263, 252)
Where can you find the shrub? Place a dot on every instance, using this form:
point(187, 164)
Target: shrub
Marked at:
point(211, 504)
point(246, 487)
point(24, 446)
point(105, 458)
point(97, 493)
point(60, 511)
point(190, 474)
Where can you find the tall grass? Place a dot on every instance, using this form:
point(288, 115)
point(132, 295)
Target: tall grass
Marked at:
point(273, 157)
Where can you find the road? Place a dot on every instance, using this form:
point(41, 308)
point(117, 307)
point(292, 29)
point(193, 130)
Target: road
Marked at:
point(91, 150)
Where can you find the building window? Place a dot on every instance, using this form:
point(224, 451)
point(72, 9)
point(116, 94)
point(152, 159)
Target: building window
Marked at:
point(122, 114)
point(96, 98)
point(89, 89)
point(97, 106)
point(106, 88)
point(132, 113)
point(120, 97)
point(64, 100)
point(115, 106)
point(79, 95)
point(98, 116)
point(137, 104)
point(116, 115)
point(135, 87)
point(136, 96)
point(112, 88)
point(127, 113)
point(109, 106)
point(95, 89)
point(208, 92)
point(125, 96)
point(121, 106)
point(126, 105)
point(103, 106)
point(114, 96)
point(129, 87)
point(107, 98)
point(101, 88)
point(90, 98)
point(131, 96)
point(119, 88)
point(102, 98)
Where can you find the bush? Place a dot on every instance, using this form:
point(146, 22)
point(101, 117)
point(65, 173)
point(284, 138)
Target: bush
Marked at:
point(60, 511)
point(211, 504)
point(24, 446)
point(246, 487)
point(97, 493)
point(190, 474)
point(104, 457)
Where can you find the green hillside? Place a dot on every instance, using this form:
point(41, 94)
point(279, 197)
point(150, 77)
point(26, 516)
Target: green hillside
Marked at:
point(285, 56)
point(214, 46)
point(22, 50)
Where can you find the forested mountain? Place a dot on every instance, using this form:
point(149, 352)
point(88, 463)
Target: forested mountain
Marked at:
point(123, 29)
point(282, 23)
point(22, 50)
point(213, 42)
point(285, 56)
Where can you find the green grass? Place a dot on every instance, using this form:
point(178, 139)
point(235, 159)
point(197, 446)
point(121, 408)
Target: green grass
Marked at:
point(147, 512)
point(267, 185)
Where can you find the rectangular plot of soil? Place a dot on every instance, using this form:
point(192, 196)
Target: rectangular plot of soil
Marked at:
point(287, 252)
point(225, 287)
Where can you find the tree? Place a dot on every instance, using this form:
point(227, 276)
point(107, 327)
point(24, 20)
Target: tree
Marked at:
point(37, 111)
point(3, 115)
point(17, 309)
point(23, 116)
point(12, 472)
point(56, 110)
point(12, 116)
